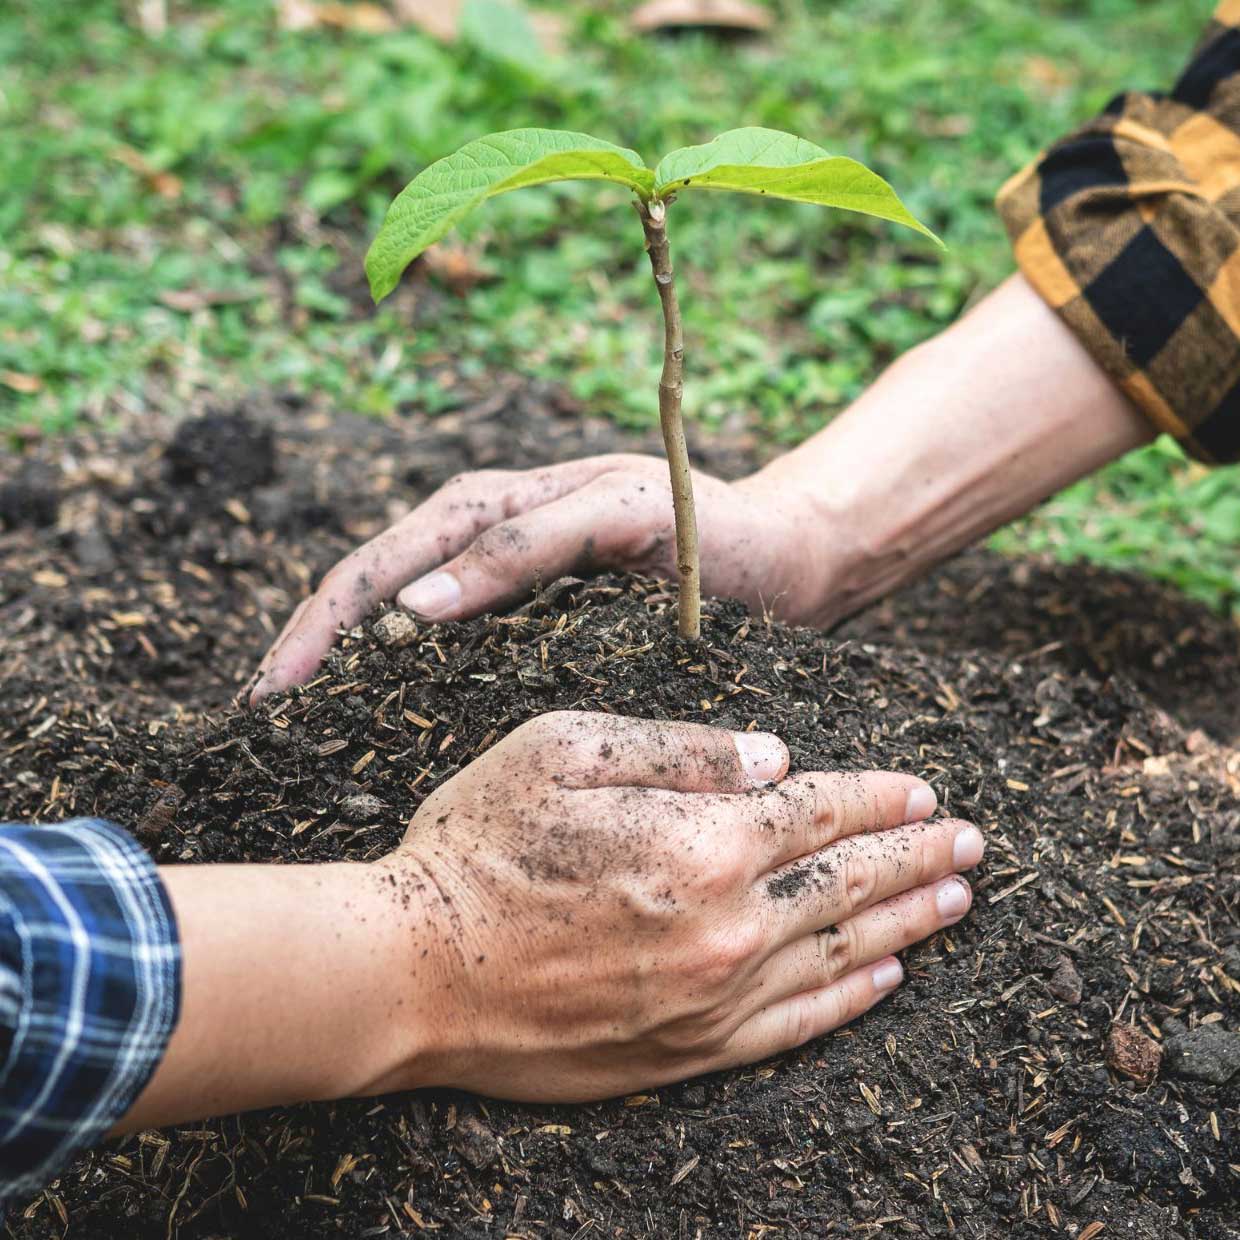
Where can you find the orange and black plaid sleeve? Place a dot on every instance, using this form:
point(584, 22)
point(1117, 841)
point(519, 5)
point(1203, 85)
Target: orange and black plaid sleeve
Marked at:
point(1130, 229)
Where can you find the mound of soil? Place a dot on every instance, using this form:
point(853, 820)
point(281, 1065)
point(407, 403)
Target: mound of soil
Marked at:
point(994, 1094)
point(979, 1096)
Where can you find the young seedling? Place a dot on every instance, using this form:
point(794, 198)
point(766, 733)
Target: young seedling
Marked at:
point(747, 161)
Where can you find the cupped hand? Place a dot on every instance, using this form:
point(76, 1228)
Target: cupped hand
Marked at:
point(487, 539)
point(606, 904)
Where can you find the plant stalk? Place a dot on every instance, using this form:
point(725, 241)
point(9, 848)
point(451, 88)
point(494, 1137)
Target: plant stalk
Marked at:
point(671, 393)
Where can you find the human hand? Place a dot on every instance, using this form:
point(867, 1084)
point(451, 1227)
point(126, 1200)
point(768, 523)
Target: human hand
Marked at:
point(486, 539)
point(603, 904)
point(959, 436)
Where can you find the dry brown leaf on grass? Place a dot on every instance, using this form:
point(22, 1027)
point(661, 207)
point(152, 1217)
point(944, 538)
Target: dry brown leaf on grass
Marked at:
point(27, 384)
point(456, 266)
point(438, 18)
point(363, 16)
point(367, 18)
point(165, 184)
point(719, 14)
point(187, 300)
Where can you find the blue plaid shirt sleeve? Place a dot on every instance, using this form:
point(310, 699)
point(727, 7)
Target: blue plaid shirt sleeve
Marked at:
point(89, 990)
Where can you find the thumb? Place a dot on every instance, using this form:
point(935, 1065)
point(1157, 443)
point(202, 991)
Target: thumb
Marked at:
point(575, 533)
point(592, 750)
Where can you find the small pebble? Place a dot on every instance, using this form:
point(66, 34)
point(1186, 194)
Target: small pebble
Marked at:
point(1133, 1054)
point(1065, 983)
point(361, 808)
point(394, 630)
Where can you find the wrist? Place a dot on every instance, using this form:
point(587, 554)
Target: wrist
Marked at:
point(350, 1009)
point(961, 435)
point(830, 511)
point(914, 469)
point(299, 983)
point(410, 979)
point(807, 543)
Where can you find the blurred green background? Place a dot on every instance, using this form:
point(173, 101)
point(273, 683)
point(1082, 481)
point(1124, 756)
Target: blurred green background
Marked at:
point(183, 214)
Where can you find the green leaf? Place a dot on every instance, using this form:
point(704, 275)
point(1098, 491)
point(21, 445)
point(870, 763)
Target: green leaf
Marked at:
point(780, 165)
point(442, 195)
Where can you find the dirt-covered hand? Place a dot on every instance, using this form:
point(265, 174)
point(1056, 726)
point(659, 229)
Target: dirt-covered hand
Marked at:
point(599, 905)
point(486, 539)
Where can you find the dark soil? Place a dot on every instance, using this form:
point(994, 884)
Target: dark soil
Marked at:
point(987, 1098)
point(144, 572)
point(1070, 616)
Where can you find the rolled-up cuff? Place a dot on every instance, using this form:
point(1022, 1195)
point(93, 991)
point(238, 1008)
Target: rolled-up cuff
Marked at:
point(1130, 229)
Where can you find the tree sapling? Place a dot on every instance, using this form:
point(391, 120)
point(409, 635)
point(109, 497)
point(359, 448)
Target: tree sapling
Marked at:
point(748, 161)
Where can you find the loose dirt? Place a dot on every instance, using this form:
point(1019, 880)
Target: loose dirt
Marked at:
point(1082, 719)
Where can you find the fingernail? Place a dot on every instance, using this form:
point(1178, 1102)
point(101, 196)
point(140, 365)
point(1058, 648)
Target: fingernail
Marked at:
point(763, 756)
point(920, 804)
point(433, 597)
point(888, 975)
point(968, 848)
point(952, 899)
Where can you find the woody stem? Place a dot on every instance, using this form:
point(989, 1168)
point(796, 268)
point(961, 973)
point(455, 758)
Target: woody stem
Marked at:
point(671, 392)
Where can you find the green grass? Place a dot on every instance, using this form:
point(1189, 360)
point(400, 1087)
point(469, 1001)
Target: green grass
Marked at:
point(286, 148)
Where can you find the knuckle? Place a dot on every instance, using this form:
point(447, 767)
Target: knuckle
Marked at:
point(506, 540)
point(721, 956)
point(822, 807)
point(545, 736)
point(713, 968)
point(647, 907)
point(334, 575)
point(924, 859)
point(618, 484)
point(834, 808)
point(860, 882)
point(639, 500)
point(838, 949)
point(714, 885)
point(719, 877)
point(467, 478)
point(871, 805)
point(699, 1035)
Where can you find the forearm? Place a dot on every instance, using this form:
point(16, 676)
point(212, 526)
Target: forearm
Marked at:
point(960, 436)
point(296, 986)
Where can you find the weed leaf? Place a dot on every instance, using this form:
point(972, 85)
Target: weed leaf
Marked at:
point(780, 165)
point(441, 196)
